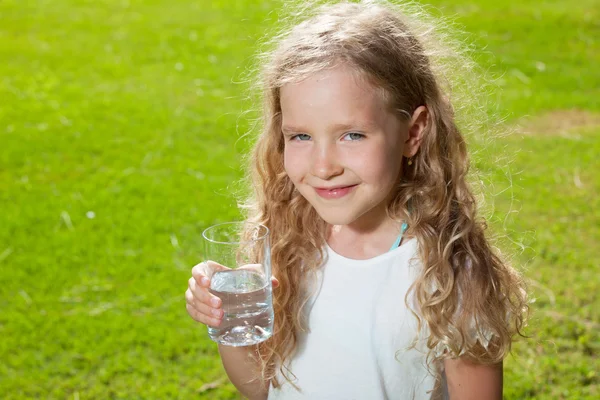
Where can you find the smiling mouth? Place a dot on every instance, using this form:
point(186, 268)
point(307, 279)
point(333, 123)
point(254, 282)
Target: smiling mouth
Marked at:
point(334, 193)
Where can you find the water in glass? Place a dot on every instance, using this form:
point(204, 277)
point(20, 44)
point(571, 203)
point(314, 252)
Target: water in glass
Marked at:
point(248, 315)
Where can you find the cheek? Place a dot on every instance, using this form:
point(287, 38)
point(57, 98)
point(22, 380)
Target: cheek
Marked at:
point(379, 166)
point(292, 164)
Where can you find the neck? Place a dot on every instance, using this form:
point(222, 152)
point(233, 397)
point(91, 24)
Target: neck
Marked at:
point(364, 240)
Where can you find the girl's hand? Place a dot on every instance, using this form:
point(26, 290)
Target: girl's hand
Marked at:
point(201, 305)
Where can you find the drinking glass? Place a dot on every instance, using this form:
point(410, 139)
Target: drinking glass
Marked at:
point(238, 263)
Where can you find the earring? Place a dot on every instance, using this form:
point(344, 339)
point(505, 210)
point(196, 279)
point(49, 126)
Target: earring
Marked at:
point(410, 161)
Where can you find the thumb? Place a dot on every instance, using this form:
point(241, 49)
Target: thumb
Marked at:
point(274, 282)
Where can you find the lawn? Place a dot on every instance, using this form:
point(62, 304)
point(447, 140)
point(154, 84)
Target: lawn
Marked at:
point(119, 142)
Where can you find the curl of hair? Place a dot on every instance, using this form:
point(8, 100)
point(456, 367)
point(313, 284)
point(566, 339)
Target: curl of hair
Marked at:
point(466, 293)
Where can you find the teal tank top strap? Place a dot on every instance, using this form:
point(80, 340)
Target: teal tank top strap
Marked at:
point(399, 238)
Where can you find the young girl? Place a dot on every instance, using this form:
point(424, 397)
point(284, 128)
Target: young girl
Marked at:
point(387, 287)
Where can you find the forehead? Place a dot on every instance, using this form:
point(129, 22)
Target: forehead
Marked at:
point(337, 95)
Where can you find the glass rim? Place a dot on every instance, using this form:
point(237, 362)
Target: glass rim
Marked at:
point(254, 224)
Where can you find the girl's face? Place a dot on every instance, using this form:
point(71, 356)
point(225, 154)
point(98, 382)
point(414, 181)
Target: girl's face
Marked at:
point(343, 148)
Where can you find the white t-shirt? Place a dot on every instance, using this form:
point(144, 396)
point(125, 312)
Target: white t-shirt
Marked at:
point(360, 329)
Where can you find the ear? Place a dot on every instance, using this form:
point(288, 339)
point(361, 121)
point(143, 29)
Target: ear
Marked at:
point(416, 129)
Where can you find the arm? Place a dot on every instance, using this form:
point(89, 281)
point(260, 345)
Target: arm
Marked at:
point(470, 381)
point(240, 366)
point(239, 362)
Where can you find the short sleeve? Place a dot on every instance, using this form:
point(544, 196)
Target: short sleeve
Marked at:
point(476, 332)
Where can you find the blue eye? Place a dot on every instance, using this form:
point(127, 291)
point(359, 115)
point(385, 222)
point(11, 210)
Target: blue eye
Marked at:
point(353, 136)
point(301, 137)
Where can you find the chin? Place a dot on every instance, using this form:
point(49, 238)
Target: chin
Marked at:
point(343, 213)
point(335, 219)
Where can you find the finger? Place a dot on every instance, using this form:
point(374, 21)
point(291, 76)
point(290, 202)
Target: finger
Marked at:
point(201, 294)
point(202, 308)
point(202, 318)
point(199, 274)
point(274, 282)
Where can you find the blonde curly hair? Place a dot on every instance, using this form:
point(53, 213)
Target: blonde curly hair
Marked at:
point(469, 298)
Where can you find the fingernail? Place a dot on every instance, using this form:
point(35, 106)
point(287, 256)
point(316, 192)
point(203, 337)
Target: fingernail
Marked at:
point(217, 313)
point(215, 301)
point(205, 280)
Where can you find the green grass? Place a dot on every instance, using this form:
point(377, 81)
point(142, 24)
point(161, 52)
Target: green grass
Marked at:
point(127, 112)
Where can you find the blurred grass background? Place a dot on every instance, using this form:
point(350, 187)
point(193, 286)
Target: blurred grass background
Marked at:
point(119, 127)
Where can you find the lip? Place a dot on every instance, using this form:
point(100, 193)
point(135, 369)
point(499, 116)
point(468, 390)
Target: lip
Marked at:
point(334, 192)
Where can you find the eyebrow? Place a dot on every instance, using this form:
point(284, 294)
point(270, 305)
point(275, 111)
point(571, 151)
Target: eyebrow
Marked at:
point(368, 125)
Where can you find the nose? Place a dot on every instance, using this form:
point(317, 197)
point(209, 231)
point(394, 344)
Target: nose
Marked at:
point(325, 163)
